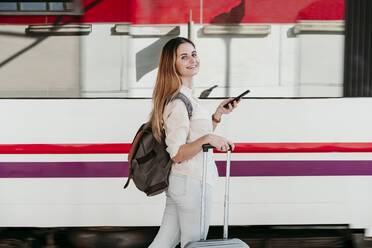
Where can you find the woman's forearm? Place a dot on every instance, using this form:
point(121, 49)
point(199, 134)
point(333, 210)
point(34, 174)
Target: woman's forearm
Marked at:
point(189, 150)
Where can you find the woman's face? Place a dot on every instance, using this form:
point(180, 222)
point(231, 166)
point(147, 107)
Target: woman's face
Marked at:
point(187, 61)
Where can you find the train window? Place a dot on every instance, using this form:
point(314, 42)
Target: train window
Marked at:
point(59, 6)
point(40, 64)
point(33, 6)
point(41, 7)
point(8, 6)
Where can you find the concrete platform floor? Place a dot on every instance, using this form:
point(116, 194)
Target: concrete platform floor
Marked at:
point(133, 237)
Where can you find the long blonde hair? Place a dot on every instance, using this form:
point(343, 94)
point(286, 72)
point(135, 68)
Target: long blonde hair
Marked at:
point(167, 85)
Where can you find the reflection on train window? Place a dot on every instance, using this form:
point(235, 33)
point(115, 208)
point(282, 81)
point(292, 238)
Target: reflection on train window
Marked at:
point(8, 6)
point(33, 7)
point(57, 6)
point(40, 7)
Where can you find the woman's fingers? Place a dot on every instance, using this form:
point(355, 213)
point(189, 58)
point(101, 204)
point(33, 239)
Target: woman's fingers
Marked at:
point(229, 144)
point(232, 146)
point(230, 108)
point(221, 143)
point(234, 103)
point(225, 101)
point(226, 146)
point(228, 100)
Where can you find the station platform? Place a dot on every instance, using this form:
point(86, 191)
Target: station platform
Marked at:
point(135, 237)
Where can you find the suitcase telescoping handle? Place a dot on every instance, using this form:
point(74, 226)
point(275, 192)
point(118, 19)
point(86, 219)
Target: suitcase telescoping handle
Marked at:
point(206, 148)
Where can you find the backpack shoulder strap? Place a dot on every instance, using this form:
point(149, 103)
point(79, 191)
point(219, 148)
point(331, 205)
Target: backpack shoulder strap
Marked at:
point(187, 103)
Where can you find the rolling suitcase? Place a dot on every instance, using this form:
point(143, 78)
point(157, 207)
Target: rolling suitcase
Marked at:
point(215, 243)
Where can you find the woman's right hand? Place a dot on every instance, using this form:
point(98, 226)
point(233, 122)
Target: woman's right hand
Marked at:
point(221, 143)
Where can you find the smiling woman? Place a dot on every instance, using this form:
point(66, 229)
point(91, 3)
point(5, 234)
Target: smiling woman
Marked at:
point(184, 137)
point(187, 63)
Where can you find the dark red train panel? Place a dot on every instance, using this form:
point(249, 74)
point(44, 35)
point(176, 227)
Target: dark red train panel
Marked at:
point(214, 11)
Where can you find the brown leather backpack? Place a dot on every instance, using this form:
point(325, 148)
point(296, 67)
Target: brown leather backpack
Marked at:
point(150, 163)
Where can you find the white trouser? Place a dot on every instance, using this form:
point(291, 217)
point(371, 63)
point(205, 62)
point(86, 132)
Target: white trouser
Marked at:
point(181, 219)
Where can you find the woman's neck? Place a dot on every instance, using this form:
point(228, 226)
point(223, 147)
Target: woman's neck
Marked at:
point(187, 82)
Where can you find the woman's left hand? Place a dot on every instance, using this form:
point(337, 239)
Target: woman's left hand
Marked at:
point(224, 111)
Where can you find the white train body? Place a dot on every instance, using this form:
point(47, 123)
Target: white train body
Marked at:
point(255, 200)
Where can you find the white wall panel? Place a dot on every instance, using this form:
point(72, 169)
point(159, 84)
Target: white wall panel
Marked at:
point(255, 120)
point(38, 66)
point(321, 64)
point(102, 59)
point(254, 200)
point(288, 53)
point(239, 61)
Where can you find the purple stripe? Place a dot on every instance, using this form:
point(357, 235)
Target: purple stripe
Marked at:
point(238, 168)
point(63, 169)
point(297, 168)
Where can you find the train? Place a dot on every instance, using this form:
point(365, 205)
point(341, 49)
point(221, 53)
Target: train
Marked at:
point(76, 86)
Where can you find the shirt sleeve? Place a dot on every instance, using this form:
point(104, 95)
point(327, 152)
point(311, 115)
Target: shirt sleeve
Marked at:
point(176, 126)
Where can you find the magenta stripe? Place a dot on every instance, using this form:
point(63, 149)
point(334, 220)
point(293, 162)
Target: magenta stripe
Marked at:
point(238, 168)
point(297, 168)
point(63, 169)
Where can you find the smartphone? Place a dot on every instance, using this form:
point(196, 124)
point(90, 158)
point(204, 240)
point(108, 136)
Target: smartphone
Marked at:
point(236, 98)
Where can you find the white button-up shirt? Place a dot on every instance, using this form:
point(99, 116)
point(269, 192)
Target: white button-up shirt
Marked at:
point(179, 130)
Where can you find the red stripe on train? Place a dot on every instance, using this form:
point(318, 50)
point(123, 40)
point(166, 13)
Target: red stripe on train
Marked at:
point(123, 148)
point(214, 11)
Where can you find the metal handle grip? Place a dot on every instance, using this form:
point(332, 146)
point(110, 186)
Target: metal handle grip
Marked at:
point(208, 146)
